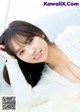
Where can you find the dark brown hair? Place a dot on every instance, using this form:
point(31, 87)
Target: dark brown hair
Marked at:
point(19, 31)
point(27, 30)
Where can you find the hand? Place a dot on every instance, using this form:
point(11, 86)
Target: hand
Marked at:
point(4, 54)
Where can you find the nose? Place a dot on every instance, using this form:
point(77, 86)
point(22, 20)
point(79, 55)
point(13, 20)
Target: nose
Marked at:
point(31, 51)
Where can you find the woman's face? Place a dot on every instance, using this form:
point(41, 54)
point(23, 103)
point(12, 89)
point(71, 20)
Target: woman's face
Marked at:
point(34, 51)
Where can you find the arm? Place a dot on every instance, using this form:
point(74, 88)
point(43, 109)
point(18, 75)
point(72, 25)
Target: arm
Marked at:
point(26, 95)
point(18, 83)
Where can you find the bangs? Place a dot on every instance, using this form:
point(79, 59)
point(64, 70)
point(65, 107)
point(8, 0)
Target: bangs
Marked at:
point(19, 40)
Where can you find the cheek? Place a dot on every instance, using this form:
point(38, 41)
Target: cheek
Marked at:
point(24, 58)
point(43, 44)
point(46, 51)
point(44, 47)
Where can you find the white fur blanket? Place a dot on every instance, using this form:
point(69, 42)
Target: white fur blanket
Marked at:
point(62, 103)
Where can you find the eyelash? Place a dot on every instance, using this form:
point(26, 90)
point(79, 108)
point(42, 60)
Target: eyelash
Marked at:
point(21, 52)
point(29, 41)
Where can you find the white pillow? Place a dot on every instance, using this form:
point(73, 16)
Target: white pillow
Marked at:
point(53, 24)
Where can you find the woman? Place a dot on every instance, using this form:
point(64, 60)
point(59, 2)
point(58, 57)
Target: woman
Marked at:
point(26, 42)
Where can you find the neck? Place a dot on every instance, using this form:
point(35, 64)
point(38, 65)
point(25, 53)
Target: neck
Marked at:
point(55, 56)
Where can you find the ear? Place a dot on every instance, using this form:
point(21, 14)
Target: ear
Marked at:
point(43, 36)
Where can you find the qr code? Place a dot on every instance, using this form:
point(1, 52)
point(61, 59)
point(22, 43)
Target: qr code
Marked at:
point(8, 103)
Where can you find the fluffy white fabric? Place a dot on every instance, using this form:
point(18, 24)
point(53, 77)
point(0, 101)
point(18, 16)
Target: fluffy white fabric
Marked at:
point(6, 90)
point(67, 101)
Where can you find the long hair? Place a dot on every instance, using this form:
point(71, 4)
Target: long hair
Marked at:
point(16, 29)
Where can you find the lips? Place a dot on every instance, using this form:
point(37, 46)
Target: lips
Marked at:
point(38, 55)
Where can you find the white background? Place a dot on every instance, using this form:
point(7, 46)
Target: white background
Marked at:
point(28, 10)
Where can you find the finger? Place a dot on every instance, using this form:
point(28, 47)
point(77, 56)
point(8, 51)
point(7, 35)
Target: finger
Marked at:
point(2, 47)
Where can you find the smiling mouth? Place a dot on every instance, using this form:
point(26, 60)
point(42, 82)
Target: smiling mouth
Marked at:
point(38, 55)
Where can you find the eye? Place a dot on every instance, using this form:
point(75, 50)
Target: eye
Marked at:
point(29, 41)
point(21, 52)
